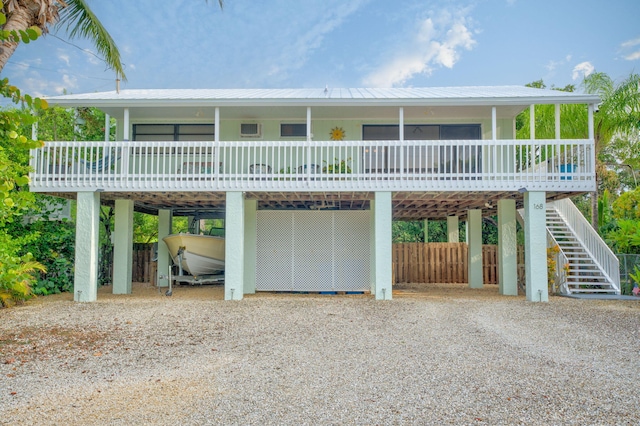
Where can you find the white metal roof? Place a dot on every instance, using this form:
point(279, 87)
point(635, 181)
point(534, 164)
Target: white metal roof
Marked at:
point(471, 95)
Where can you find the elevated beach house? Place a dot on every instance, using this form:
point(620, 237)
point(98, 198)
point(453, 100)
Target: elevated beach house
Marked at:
point(309, 182)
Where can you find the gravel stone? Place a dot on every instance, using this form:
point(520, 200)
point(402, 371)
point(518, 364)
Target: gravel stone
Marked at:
point(435, 354)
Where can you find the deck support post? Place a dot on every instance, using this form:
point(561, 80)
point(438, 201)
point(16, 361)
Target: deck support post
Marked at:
point(383, 217)
point(453, 231)
point(164, 258)
point(372, 246)
point(535, 246)
point(234, 263)
point(85, 285)
point(425, 230)
point(250, 245)
point(507, 248)
point(474, 237)
point(123, 247)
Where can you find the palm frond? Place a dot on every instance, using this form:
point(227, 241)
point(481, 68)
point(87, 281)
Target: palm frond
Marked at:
point(80, 21)
point(220, 2)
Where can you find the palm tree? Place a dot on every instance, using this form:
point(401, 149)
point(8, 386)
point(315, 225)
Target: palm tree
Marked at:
point(76, 15)
point(618, 116)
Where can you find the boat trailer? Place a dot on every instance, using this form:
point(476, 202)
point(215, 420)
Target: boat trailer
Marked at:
point(181, 277)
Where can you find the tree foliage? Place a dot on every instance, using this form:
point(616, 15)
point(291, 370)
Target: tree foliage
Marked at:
point(24, 20)
point(17, 267)
point(618, 119)
point(574, 119)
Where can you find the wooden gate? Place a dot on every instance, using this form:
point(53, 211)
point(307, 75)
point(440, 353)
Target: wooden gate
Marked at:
point(143, 264)
point(440, 263)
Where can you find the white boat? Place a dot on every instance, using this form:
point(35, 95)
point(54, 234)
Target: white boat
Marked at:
point(196, 254)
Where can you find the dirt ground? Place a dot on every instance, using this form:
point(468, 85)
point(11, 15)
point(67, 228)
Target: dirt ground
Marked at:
point(216, 292)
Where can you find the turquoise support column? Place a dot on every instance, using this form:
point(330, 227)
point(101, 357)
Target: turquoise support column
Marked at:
point(535, 246)
point(453, 230)
point(85, 284)
point(383, 217)
point(425, 230)
point(164, 258)
point(474, 237)
point(372, 245)
point(507, 248)
point(123, 247)
point(234, 247)
point(250, 241)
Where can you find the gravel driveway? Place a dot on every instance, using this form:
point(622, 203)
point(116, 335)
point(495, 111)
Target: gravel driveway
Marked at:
point(440, 355)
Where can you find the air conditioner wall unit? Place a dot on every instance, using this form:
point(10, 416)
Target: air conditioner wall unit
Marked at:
point(250, 130)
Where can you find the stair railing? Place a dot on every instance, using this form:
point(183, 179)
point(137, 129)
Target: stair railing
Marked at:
point(590, 240)
point(560, 275)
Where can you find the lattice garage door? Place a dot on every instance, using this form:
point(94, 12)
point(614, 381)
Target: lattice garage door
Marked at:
point(312, 251)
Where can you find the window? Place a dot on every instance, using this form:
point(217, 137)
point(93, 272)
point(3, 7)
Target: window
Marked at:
point(417, 132)
point(291, 130)
point(173, 132)
point(459, 131)
point(443, 159)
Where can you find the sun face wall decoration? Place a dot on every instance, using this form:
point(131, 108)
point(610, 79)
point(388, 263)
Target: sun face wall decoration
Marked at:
point(337, 134)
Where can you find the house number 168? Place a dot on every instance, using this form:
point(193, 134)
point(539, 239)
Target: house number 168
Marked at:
point(538, 206)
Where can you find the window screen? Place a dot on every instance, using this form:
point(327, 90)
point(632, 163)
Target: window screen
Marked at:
point(293, 129)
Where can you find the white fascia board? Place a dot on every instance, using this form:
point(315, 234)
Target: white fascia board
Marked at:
point(149, 103)
point(452, 96)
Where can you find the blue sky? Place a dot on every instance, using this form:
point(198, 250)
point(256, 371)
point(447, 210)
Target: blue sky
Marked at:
point(340, 43)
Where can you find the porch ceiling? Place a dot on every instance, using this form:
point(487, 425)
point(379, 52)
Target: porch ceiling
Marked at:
point(406, 205)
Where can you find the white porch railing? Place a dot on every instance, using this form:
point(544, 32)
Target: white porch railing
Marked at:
point(591, 241)
point(434, 165)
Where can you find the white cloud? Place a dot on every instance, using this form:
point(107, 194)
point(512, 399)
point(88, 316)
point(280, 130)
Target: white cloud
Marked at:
point(438, 42)
point(36, 85)
point(552, 65)
point(633, 56)
point(307, 41)
point(64, 58)
point(92, 57)
point(583, 69)
point(631, 45)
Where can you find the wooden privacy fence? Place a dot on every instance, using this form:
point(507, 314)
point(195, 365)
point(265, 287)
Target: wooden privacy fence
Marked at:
point(440, 263)
point(412, 263)
point(143, 265)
